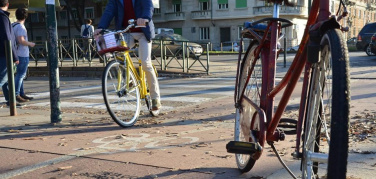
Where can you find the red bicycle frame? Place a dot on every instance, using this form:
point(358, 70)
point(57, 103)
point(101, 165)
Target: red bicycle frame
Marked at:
point(268, 50)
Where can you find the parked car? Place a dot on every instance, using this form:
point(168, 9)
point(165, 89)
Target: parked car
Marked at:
point(373, 44)
point(174, 43)
point(351, 41)
point(227, 46)
point(364, 38)
point(293, 49)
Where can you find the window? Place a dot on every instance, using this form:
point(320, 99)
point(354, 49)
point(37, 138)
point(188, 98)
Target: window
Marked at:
point(177, 5)
point(241, 3)
point(360, 14)
point(204, 5)
point(89, 13)
point(178, 31)
point(240, 29)
point(157, 11)
point(204, 33)
point(222, 4)
point(74, 14)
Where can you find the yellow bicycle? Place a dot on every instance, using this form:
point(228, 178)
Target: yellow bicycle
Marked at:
point(123, 86)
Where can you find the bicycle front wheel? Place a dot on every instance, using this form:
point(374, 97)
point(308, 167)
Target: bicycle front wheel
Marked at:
point(122, 100)
point(325, 142)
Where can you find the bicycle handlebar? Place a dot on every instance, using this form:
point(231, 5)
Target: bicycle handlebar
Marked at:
point(131, 22)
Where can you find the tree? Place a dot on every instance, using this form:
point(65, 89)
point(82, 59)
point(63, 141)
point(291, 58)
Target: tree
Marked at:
point(79, 11)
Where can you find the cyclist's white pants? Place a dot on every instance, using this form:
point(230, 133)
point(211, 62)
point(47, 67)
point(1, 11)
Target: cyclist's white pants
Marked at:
point(144, 52)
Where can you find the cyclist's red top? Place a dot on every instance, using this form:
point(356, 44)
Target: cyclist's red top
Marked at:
point(129, 14)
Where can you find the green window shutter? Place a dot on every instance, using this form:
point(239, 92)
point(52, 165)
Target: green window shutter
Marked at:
point(176, 1)
point(178, 31)
point(241, 3)
point(222, 1)
point(203, 0)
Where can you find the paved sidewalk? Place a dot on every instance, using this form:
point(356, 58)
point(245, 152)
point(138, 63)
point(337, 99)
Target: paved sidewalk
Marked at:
point(188, 143)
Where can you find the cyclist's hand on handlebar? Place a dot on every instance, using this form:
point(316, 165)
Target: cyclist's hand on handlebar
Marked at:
point(142, 22)
point(97, 33)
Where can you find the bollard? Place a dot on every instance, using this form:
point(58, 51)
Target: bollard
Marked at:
point(53, 61)
point(284, 52)
point(12, 94)
point(73, 53)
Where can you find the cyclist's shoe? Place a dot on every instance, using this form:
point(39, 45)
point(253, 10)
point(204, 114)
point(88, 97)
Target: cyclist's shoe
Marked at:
point(20, 99)
point(27, 97)
point(155, 104)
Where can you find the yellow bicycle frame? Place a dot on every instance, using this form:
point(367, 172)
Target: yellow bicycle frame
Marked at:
point(140, 76)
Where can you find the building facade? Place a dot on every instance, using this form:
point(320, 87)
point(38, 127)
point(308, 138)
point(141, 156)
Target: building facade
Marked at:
point(219, 21)
point(204, 21)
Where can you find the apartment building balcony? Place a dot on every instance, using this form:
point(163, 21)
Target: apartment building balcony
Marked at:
point(175, 16)
point(157, 18)
point(284, 10)
point(201, 14)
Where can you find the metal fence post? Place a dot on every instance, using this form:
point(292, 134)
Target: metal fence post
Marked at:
point(207, 57)
point(52, 58)
point(183, 54)
point(164, 55)
point(89, 53)
point(60, 48)
point(161, 45)
point(73, 52)
point(12, 94)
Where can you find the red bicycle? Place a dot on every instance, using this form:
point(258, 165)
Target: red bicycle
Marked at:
point(322, 126)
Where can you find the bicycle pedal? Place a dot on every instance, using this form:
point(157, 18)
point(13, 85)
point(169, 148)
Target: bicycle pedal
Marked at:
point(288, 126)
point(243, 147)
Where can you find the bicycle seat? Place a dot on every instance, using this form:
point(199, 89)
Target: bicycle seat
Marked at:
point(257, 27)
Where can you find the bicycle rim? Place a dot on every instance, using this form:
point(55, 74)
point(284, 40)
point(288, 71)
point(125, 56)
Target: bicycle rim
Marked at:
point(325, 149)
point(122, 104)
point(244, 113)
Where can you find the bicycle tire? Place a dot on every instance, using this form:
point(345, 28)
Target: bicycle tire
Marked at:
point(244, 116)
point(123, 105)
point(328, 100)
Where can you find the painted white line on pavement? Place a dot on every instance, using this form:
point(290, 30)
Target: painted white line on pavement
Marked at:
point(112, 146)
point(181, 99)
point(88, 105)
point(31, 168)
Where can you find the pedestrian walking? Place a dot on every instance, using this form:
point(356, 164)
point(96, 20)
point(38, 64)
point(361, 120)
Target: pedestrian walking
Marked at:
point(142, 10)
point(23, 44)
point(87, 31)
point(6, 34)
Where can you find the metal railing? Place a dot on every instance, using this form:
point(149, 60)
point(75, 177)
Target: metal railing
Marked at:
point(167, 54)
point(73, 50)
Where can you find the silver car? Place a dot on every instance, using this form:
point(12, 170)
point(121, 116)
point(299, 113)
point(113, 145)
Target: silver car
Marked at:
point(174, 43)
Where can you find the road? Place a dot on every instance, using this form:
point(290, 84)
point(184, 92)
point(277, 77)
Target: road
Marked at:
point(186, 141)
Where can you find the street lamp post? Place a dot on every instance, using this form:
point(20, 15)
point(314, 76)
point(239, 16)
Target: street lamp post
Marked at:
point(53, 61)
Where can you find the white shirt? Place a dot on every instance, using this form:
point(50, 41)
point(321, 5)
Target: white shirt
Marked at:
point(20, 30)
point(91, 30)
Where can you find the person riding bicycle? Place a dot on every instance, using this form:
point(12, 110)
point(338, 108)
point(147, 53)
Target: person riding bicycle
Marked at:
point(142, 10)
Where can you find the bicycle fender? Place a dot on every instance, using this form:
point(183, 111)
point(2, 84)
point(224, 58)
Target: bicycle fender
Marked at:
point(315, 34)
point(331, 23)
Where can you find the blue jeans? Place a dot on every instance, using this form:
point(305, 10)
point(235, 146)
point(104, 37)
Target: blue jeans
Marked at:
point(21, 73)
point(4, 77)
point(18, 80)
